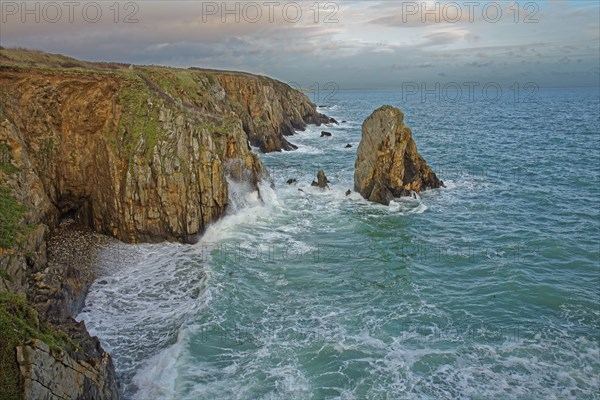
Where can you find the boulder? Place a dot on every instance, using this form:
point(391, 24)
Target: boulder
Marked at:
point(388, 164)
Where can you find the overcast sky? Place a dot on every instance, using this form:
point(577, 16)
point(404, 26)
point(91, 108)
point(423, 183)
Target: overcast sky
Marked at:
point(356, 44)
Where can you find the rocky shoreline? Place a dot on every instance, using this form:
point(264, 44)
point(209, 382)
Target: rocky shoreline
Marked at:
point(58, 294)
point(59, 291)
point(68, 363)
point(138, 153)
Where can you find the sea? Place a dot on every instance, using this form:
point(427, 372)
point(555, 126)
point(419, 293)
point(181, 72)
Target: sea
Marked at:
point(488, 288)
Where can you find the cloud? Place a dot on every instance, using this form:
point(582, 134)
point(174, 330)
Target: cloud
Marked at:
point(368, 38)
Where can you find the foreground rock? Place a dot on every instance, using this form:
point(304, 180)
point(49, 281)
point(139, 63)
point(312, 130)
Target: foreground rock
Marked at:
point(388, 164)
point(55, 374)
point(50, 361)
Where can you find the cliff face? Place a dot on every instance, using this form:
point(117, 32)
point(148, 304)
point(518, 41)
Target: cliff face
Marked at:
point(142, 156)
point(128, 160)
point(388, 164)
point(137, 153)
point(269, 109)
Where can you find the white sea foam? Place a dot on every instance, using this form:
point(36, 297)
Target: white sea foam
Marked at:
point(413, 204)
point(144, 301)
point(157, 376)
point(307, 149)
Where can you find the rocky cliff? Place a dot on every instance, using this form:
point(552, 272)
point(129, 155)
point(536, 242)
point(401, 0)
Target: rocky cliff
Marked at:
point(137, 153)
point(388, 164)
point(269, 109)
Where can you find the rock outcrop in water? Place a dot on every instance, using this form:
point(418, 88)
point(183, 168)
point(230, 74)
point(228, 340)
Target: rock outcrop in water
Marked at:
point(322, 181)
point(388, 164)
point(140, 154)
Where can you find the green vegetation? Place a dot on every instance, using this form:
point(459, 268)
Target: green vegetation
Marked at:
point(11, 212)
point(19, 323)
point(5, 165)
point(210, 78)
point(138, 119)
point(177, 83)
point(226, 126)
point(5, 275)
point(159, 86)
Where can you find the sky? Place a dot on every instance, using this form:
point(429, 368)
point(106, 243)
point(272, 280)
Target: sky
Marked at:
point(353, 44)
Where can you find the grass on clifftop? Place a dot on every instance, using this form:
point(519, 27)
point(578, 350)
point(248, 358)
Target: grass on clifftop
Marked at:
point(19, 323)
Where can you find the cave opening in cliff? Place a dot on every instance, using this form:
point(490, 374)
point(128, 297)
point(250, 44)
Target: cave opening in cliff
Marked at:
point(75, 209)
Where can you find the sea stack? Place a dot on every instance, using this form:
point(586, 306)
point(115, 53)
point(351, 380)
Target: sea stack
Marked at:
point(322, 181)
point(388, 164)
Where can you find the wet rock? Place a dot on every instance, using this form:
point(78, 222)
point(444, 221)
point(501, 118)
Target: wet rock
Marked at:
point(348, 146)
point(291, 181)
point(325, 134)
point(348, 192)
point(322, 181)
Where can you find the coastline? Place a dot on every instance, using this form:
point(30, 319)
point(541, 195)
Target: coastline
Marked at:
point(136, 153)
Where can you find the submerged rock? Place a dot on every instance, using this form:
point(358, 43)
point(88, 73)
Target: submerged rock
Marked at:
point(291, 181)
point(322, 180)
point(325, 134)
point(348, 192)
point(388, 164)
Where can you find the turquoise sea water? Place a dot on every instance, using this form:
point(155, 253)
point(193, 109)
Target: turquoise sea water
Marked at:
point(485, 289)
